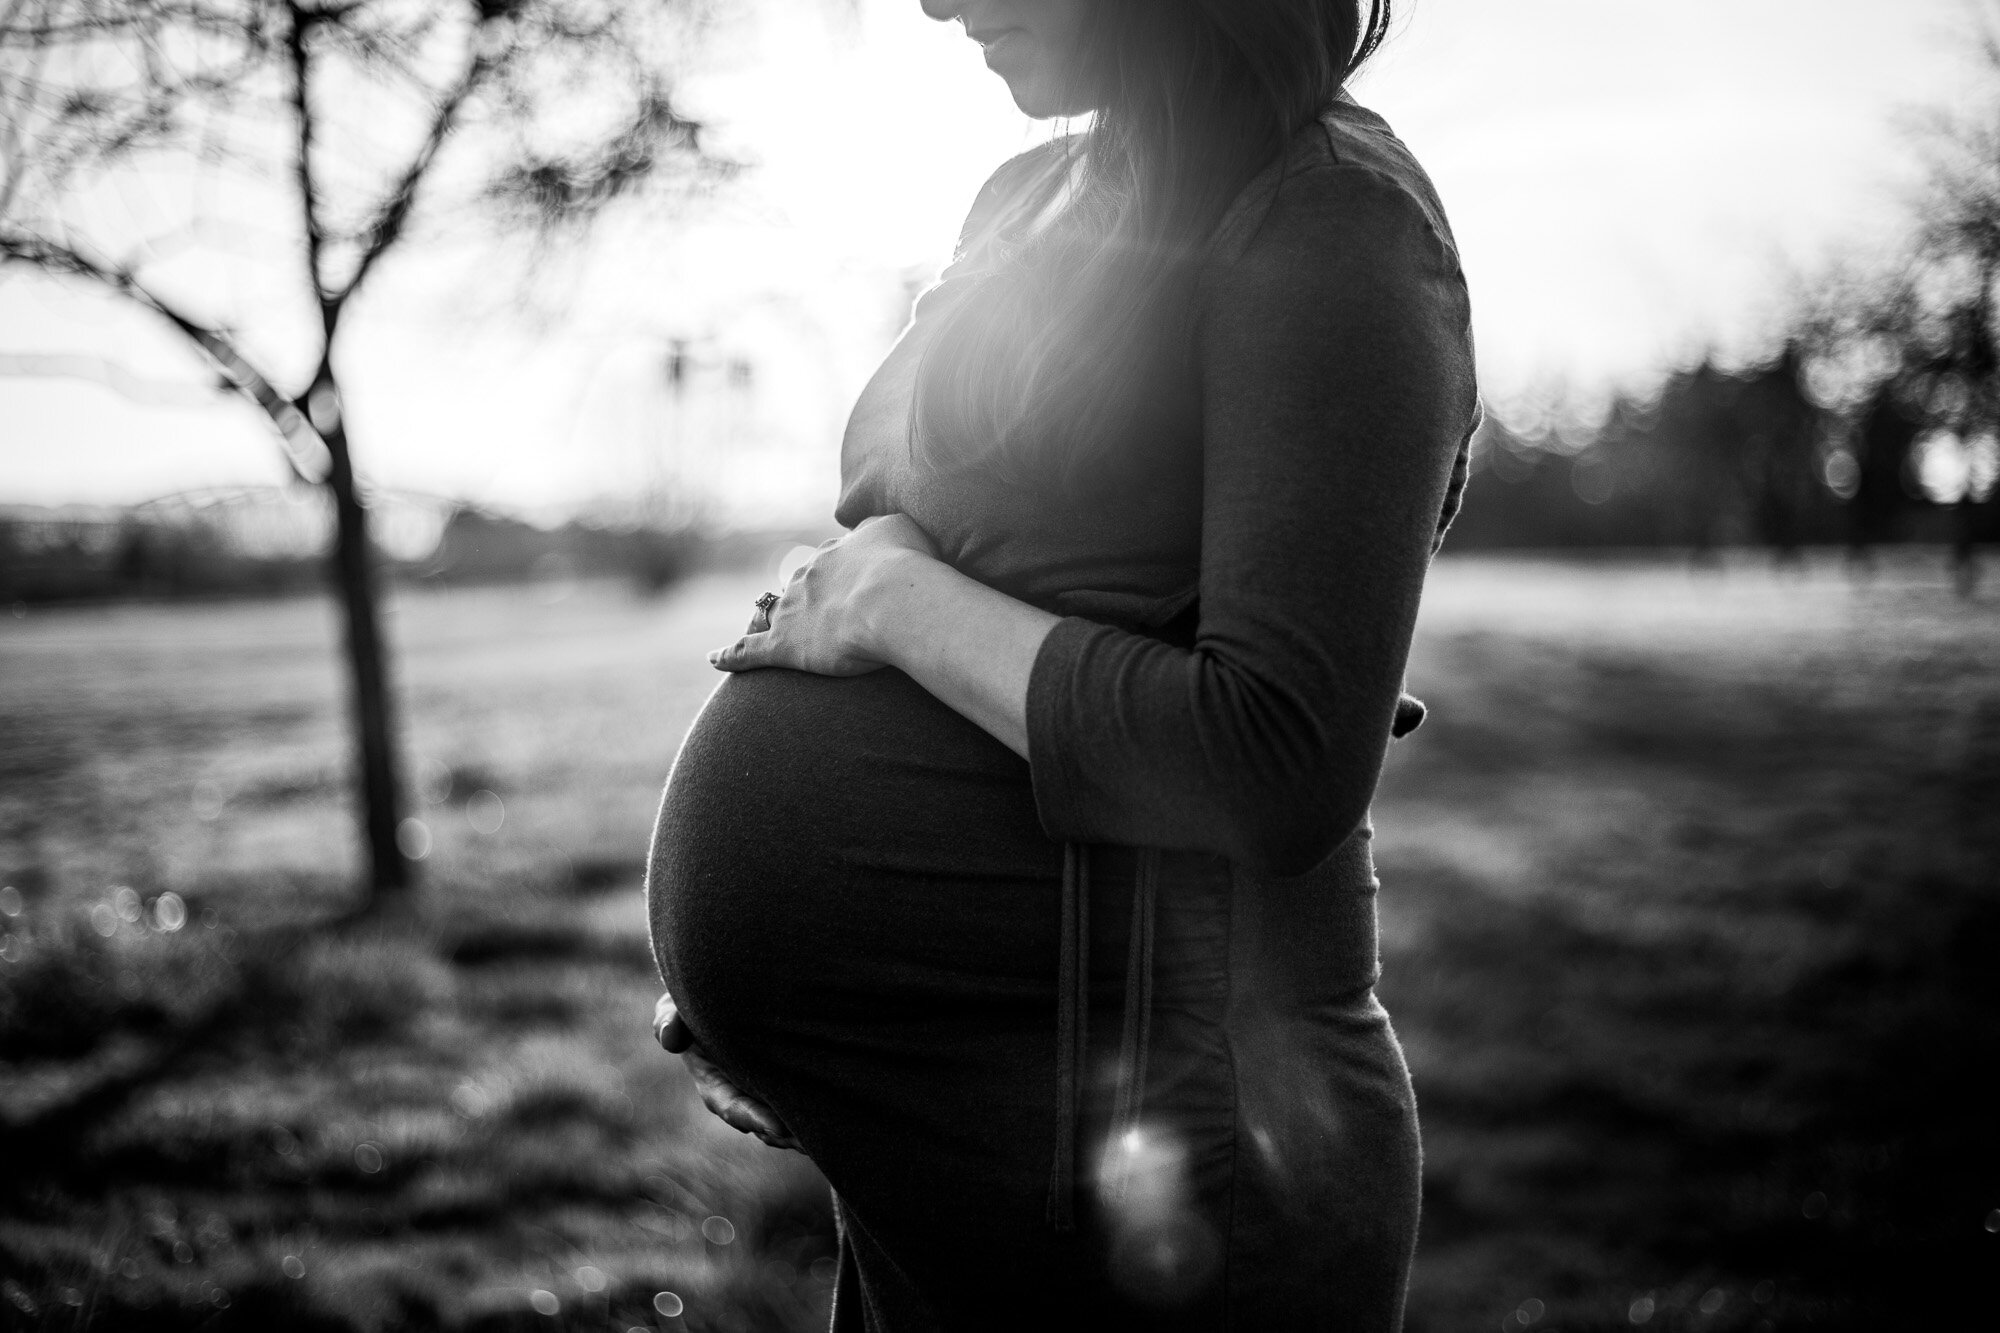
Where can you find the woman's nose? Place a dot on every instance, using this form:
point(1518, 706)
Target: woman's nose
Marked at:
point(943, 10)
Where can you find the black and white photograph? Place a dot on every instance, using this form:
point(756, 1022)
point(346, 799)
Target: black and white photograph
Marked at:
point(902, 666)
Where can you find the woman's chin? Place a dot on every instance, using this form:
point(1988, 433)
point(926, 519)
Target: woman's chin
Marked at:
point(1038, 96)
point(1039, 104)
point(1033, 107)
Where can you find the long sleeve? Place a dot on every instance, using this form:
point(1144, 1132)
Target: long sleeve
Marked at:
point(1336, 374)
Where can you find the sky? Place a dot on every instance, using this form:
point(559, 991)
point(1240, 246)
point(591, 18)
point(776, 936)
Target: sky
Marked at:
point(1630, 182)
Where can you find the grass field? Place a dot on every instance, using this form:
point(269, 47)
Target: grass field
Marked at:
point(1691, 926)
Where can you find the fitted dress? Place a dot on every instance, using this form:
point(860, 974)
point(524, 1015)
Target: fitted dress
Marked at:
point(1092, 1036)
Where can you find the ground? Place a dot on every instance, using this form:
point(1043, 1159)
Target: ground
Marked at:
point(1691, 908)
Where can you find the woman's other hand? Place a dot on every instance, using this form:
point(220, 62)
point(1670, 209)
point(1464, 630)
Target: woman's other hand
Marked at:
point(727, 1102)
point(669, 1028)
point(826, 619)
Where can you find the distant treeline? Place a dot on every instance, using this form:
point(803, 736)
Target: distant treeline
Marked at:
point(1711, 459)
point(1718, 458)
point(1876, 417)
point(71, 558)
point(51, 556)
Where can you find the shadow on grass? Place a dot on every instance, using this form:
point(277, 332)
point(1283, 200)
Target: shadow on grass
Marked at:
point(355, 1128)
point(1701, 1006)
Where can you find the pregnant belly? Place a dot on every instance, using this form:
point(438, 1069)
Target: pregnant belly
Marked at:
point(845, 856)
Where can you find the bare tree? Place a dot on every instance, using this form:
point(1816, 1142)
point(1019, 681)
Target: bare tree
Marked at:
point(1907, 351)
point(1953, 342)
point(328, 123)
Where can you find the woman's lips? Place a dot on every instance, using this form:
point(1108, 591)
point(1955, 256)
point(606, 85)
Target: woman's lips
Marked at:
point(996, 41)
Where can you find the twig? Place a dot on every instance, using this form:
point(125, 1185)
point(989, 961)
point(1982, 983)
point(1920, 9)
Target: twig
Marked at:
point(315, 235)
point(394, 214)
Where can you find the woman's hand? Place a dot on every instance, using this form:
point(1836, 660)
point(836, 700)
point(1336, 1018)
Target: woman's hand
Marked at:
point(727, 1102)
point(826, 619)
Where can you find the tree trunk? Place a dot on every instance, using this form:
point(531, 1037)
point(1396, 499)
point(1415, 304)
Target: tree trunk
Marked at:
point(1965, 543)
point(354, 580)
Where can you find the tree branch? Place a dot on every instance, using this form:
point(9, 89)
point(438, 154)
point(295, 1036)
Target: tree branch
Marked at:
point(109, 18)
point(12, 139)
point(296, 36)
point(390, 219)
point(302, 445)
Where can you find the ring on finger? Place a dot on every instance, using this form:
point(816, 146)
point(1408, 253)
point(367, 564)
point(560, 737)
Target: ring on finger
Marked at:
point(760, 620)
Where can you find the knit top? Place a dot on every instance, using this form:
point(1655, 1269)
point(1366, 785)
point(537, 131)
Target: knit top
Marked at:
point(1283, 503)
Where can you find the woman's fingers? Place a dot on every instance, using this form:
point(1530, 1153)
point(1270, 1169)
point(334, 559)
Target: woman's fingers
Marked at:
point(729, 1103)
point(669, 1028)
point(750, 651)
point(746, 654)
point(734, 1107)
point(814, 625)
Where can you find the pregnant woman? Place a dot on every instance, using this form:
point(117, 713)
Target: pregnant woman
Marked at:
point(1019, 870)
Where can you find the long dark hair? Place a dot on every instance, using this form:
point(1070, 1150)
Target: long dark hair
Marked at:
point(1046, 364)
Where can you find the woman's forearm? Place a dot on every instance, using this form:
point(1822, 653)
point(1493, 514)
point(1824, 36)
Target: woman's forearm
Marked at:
point(970, 646)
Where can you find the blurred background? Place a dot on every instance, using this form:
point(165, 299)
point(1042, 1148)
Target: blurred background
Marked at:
point(324, 982)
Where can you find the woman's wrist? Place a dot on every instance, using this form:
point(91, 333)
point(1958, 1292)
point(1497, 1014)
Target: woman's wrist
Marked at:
point(973, 647)
point(896, 603)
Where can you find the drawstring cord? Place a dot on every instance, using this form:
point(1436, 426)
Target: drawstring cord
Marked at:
point(1136, 1040)
point(1073, 1022)
point(1072, 1030)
